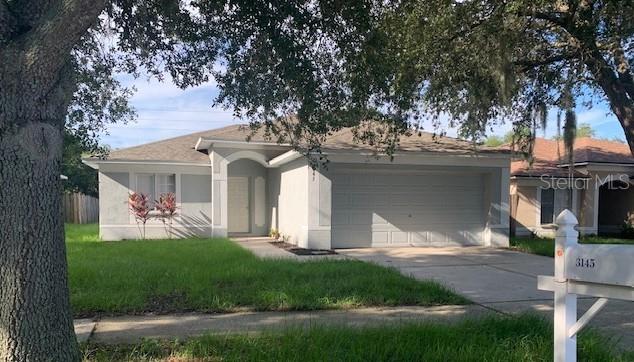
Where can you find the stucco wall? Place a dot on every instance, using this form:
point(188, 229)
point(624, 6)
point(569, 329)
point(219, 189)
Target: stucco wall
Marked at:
point(523, 208)
point(193, 193)
point(257, 176)
point(526, 205)
point(288, 195)
point(113, 197)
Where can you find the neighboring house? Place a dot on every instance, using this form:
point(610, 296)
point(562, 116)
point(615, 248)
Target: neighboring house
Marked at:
point(598, 192)
point(435, 191)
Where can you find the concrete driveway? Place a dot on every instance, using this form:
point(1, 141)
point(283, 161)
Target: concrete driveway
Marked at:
point(502, 280)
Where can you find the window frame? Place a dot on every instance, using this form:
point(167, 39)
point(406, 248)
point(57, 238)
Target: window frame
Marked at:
point(542, 203)
point(156, 186)
point(557, 207)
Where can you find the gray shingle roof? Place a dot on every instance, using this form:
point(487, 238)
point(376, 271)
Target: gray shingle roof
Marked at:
point(181, 149)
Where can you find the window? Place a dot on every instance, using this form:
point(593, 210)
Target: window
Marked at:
point(165, 184)
point(548, 205)
point(153, 185)
point(553, 202)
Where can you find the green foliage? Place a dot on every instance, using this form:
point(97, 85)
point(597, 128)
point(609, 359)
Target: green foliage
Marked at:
point(494, 141)
point(216, 275)
point(465, 64)
point(546, 246)
point(520, 338)
point(81, 178)
point(99, 99)
point(585, 130)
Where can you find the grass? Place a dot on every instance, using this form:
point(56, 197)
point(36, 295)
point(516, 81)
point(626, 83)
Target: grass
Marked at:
point(216, 275)
point(523, 338)
point(546, 246)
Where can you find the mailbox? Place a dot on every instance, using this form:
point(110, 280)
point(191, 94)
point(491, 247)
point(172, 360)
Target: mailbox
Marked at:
point(603, 264)
point(604, 271)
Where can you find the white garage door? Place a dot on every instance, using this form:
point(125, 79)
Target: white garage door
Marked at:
point(383, 208)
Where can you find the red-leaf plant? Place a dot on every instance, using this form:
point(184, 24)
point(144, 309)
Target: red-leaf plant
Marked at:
point(166, 207)
point(140, 207)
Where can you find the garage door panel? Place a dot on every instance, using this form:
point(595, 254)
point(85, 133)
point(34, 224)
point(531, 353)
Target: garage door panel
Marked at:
point(352, 238)
point(411, 218)
point(390, 209)
point(339, 217)
point(340, 200)
point(362, 199)
point(361, 219)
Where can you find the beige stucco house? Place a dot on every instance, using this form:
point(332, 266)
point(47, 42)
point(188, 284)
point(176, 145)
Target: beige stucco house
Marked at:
point(599, 191)
point(434, 192)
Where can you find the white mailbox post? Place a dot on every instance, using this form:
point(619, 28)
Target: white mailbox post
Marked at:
point(604, 271)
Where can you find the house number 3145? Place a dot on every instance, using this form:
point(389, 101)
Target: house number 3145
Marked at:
point(585, 263)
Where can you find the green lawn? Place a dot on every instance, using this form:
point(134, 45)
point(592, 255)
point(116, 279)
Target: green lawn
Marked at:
point(216, 275)
point(523, 338)
point(546, 246)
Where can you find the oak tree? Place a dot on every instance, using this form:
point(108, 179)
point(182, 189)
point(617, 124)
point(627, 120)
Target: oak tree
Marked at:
point(332, 64)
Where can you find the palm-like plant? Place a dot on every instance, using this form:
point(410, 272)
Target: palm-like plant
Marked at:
point(166, 206)
point(140, 207)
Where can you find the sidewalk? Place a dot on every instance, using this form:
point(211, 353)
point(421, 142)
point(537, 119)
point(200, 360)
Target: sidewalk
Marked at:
point(131, 329)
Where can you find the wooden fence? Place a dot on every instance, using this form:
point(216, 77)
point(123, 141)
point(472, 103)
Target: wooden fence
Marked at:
point(80, 208)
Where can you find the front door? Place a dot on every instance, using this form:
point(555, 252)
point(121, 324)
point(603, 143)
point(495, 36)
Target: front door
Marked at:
point(238, 204)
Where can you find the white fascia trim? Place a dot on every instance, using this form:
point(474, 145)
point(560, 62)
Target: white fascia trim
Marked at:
point(418, 153)
point(565, 165)
point(521, 177)
point(91, 164)
point(205, 143)
point(95, 164)
point(284, 158)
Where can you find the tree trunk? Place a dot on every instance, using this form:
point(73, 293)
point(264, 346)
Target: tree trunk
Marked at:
point(621, 103)
point(622, 107)
point(35, 317)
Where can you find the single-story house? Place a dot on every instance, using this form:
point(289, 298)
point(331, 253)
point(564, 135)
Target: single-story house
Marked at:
point(436, 191)
point(598, 190)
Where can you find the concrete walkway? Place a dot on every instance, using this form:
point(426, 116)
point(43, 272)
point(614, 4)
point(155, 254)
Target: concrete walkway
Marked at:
point(503, 280)
point(131, 329)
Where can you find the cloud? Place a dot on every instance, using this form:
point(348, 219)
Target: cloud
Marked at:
point(164, 111)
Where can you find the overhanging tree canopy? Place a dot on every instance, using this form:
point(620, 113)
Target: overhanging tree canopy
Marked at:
point(333, 64)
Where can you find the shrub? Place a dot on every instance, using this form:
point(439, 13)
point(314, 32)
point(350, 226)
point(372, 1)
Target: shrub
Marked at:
point(166, 207)
point(140, 207)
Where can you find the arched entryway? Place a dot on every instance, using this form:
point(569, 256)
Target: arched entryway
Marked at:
point(246, 198)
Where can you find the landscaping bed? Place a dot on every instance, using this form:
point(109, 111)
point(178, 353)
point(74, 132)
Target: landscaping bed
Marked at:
point(291, 248)
point(546, 246)
point(523, 338)
point(216, 275)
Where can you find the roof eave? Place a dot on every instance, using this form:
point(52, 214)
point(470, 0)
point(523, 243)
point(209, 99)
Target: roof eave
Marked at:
point(206, 143)
point(95, 163)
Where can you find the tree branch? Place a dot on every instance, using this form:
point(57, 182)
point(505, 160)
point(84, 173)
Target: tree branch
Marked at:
point(29, 12)
point(532, 63)
point(550, 17)
point(624, 71)
point(47, 47)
